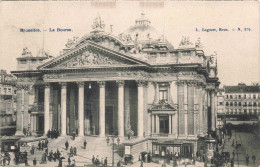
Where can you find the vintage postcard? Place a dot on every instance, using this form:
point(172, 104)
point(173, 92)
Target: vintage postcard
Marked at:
point(129, 83)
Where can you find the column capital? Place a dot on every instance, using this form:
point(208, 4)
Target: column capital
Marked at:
point(63, 84)
point(181, 83)
point(141, 83)
point(80, 84)
point(191, 82)
point(46, 85)
point(101, 84)
point(200, 85)
point(120, 83)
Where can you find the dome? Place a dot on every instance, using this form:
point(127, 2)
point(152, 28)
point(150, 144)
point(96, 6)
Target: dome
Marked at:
point(142, 32)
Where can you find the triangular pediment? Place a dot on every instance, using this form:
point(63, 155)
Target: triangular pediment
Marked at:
point(91, 55)
point(162, 106)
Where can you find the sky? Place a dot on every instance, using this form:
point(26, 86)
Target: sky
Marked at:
point(238, 52)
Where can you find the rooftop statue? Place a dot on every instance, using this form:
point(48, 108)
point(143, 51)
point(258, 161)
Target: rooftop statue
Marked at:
point(26, 52)
point(71, 42)
point(198, 44)
point(98, 23)
point(185, 41)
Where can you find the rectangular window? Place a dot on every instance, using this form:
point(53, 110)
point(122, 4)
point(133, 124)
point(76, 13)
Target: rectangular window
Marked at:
point(254, 96)
point(163, 93)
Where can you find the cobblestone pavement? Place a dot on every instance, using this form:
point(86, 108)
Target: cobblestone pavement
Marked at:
point(250, 144)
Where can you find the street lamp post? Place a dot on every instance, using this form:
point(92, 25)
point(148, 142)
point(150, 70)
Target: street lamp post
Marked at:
point(113, 162)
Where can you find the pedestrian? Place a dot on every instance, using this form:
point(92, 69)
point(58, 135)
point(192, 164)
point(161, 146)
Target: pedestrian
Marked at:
point(60, 162)
point(85, 144)
point(34, 162)
point(233, 142)
point(46, 151)
point(232, 162)
point(75, 151)
point(141, 164)
point(247, 159)
point(253, 159)
point(107, 141)
point(43, 144)
point(118, 164)
point(67, 144)
point(33, 148)
point(58, 153)
point(39, 145)
point(51, 156)
point(118, 141)
point(105, 162)
point(71, 151)
point(69, 161)
point(233, 153)
point(46, 143)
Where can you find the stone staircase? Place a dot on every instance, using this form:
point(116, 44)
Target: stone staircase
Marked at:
point(95, 146)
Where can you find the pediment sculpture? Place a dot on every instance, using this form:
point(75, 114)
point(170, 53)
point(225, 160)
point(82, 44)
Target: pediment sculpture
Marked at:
point(88, 58)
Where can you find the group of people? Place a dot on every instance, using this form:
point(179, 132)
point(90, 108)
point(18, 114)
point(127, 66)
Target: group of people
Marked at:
point(99, 162)
point(5, 159)
point(247, 159)
point(53, 133)
point(73, 151)
point(108, 141)
point(43, 144)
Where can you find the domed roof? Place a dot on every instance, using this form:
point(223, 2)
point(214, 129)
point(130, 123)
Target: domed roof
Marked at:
point(142, 32)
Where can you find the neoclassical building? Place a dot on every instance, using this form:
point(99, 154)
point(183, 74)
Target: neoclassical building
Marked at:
point(105, 84)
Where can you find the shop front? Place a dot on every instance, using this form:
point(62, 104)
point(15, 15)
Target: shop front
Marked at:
point(171, 148)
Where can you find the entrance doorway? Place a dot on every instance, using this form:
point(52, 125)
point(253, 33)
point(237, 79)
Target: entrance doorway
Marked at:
point(164, 124)
point(186, 150)
point(109, 120)
point(40, 124)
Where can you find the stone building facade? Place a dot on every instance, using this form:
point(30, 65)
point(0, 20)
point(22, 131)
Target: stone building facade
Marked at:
point(241, 101)
point(7, 98)
point(104, 84)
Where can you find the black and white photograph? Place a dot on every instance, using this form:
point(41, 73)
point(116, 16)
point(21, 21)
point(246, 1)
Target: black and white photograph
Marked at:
point(130, 83)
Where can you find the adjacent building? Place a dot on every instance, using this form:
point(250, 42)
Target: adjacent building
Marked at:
point(7, 100)
point(240, 102)
point(106, 84)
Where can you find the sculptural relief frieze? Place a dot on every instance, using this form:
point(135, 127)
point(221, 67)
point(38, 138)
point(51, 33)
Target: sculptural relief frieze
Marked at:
point(88, 58)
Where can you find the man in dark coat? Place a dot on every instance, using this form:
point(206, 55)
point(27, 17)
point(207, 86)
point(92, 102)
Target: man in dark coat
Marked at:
point(85, 144)
point(93, 160)
point(67, 145)
point(75, 151)
point(69, 161)
point(34, 162)
point(43, 144)
point(39, 145)
point(105, 162)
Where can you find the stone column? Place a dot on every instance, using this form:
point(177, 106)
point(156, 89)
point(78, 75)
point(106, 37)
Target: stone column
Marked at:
point(213, 118)
point(140, 109)
point(19, 121)
point(157, 124)
point(26, 105)
point(120, 108)
point(156, 92)
point(152, 131)
point(186, 109)
point(63, 108)
point(34, 122)
point(170, 124)
point(101, 108)
point(46, 108)
point(81, 108)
